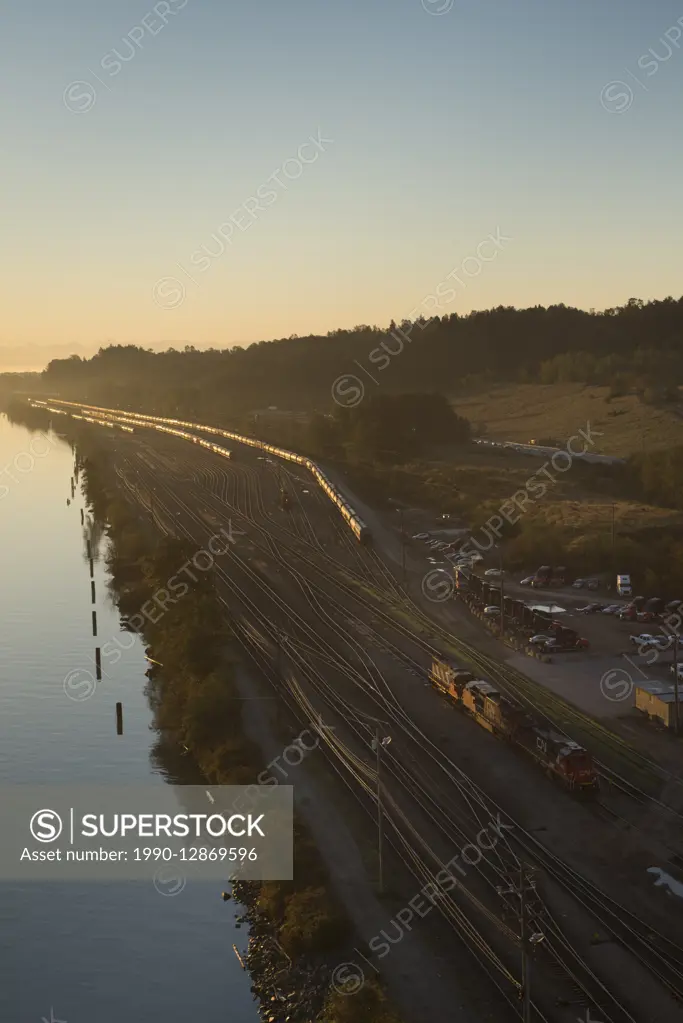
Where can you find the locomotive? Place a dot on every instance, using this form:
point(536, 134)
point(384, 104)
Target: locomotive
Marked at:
point(562, 758)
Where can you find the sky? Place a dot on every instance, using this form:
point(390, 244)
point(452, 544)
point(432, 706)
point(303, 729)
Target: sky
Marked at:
point(216, 173)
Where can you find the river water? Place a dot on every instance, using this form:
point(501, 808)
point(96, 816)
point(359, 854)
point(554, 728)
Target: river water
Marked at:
point(107, 952)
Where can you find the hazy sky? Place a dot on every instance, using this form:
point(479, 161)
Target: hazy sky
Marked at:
point(495, 115)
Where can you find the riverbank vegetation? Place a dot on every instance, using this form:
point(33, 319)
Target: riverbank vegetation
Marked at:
point(197, 708)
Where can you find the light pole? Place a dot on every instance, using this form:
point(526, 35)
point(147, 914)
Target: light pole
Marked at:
point(403, 546)
point(614, 564)
point(676, 707)
point(378, 744)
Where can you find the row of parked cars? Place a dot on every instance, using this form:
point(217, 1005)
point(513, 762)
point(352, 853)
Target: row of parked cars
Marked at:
point(545, 579)
point(449, 550)
point(638, 610)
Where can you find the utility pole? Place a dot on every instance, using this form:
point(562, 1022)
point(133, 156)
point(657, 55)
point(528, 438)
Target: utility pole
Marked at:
point(378, 749)
point(526, 986)
point(502, 593)
point(614, 564)
point(527, 940)
point(676, 707)
point(378, 744)
point(403, 547)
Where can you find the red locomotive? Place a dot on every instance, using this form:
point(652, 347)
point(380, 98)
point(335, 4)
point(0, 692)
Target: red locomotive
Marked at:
point(562, 758)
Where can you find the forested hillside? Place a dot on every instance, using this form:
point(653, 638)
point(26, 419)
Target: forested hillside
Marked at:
point(450, 354)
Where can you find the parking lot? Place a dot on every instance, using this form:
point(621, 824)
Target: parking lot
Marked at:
point(601, 679)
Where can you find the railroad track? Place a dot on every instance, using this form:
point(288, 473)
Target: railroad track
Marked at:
point(670, 977)
point(350, 711)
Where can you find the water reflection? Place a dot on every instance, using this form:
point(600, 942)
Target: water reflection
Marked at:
point(107, 952)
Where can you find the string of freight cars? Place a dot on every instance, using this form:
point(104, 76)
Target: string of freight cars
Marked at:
point(357, 526)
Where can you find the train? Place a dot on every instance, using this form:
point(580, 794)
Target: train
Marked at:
point(358, 527)
point(503, 716)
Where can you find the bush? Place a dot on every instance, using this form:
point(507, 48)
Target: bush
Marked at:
point(312, 924)
point(368, 1005)
point(210, 712)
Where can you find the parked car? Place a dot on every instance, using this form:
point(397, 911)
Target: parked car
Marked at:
point(611, 609)
point(527, 580)
point(491, 611)
point(476, 556)
point(540, 640)
point(579, 584)
point(680, 669)
point(593, 584)
point(645, 616)
point(561, 646)
point(589, 609)
point(628, 614)
point(496, 572)
point(645, 640)
point(543, 576)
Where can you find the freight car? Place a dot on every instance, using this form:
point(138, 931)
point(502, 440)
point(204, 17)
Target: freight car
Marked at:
point(562, 758)
point(358, 527)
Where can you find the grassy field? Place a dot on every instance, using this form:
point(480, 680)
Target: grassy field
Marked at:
point(594, 514)
point(532, 411)
point(471, 483)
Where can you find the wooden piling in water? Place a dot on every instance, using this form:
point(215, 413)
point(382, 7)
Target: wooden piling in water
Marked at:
point(82, 517)
point(94, 623)
point(98, 663)
point(119, 719)
point(92, 591)
point(92, 567)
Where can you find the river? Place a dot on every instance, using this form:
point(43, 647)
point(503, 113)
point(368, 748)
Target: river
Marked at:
point(107, 952)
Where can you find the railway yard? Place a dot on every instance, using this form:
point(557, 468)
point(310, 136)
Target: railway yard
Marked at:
point(507, 858)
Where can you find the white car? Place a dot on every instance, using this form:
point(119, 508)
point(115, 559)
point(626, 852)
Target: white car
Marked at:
point(476, 556)
point(643, 639)
point(646, 639)
point(494, 572)
point(491, 611)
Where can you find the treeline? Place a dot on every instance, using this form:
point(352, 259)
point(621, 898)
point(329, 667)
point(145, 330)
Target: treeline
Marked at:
point(651, 554)
point(385, 428)
point(651, 373)
point(656, 477)
point(652, 557)
point(445, 354)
